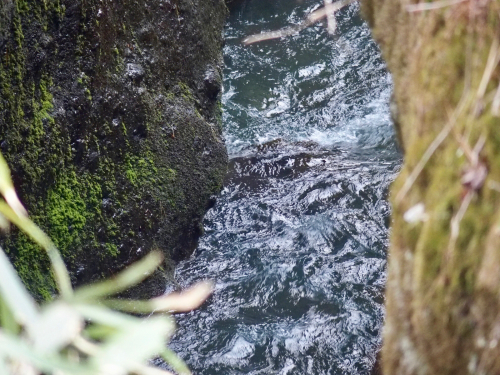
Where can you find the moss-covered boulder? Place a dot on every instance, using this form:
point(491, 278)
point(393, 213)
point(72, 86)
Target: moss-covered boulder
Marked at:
point(443, 290)
point(110, 119)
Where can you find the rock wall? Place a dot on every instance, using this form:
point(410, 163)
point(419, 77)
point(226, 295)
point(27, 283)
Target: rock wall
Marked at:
point(443, 290)
point(110, 119)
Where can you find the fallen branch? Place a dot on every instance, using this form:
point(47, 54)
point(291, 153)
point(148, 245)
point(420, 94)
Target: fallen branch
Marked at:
point(327, 11)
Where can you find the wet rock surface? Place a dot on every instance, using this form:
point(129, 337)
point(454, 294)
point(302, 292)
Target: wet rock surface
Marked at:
point(110, 121)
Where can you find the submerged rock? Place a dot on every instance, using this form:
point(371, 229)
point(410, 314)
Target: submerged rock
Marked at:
point(110, 120)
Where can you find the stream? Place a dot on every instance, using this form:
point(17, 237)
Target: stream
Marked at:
point(296, 243)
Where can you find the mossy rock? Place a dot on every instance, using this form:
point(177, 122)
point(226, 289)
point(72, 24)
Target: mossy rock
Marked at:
point(443, 289)
point(110, 121)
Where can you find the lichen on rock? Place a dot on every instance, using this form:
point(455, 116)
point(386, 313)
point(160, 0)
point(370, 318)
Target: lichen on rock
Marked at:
point(111, 128)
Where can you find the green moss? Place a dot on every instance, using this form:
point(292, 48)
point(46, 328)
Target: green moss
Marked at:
point(141, 171)
point(131, 175)
point(170, 96)
point(46, 99)
point(32, 265)
point(88, 95)
point(186, 92)
point(112, 249)
point(71, 204)
point(124, 129)
point(95, 185)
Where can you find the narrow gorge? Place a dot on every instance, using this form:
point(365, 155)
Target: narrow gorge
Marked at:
point(275, 170)
point(297, 241)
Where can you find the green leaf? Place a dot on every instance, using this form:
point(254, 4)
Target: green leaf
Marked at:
point(146, 370)
point(133, 344)
point(7, 319)
point(185, 301)
point(175, 361)
point(14, 348)
point(7, 189)
point(105, 316)
point(58, 326)
point(37, 235)
point(3, 366)
point(130, 306)
point(15, 295)
point(98, 332)
point(131, 276)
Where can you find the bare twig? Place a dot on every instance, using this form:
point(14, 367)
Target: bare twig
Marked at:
point(327, 11)
point(430, 151)
point(455, 223)
point(420, 7)
point(477, 150)
point(461, 106)
point(495, 106)
point(491, 63)
point(473, 180)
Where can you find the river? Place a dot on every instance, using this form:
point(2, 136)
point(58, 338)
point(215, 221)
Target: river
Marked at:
point(297, 241)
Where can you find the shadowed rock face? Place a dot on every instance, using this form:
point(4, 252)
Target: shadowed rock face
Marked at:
point(110, 120)
point(443, 289)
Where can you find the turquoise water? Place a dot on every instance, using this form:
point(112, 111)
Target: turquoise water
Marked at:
point(297, 240)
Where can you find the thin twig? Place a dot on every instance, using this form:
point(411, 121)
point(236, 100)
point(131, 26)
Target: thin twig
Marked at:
point(471, 154)
point(455, 223)
point(85, 346)
point(430, 151)
point(477, 150)
point(311, 19)
point(446, 130)
point(478, 176)
point(491, 63)
point(420, 7)
point(495, 106)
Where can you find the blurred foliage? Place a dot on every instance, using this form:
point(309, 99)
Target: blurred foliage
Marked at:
point(83, 331)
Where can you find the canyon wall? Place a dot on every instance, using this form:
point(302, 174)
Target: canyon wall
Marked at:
point(110, 119)
point(443, 289)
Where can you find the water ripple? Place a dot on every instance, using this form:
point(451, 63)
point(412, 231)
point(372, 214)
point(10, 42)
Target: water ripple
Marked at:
point(296, 243)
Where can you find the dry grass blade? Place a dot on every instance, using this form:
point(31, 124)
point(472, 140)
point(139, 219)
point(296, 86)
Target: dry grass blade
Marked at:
point(132, 275)
point(188, 300)
point(423, 161)
point(431, 149)
point(495, 106)
point(491, 63)
point(477, 150)
point(175, 362)
point(7, 189)
point(36, 234)
point(455, 222)
point(312, 18)
point(147, 370)
point(455, 229)
point(420, 7)
point(19, 350)
point(12, 290)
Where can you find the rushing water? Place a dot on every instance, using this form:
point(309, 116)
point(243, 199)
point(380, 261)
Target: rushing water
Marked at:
point(297, 241)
